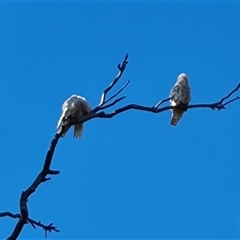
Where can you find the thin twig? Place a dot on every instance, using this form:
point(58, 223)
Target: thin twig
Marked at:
point(121, 68)
point(230, 94)
point(161, 101)
point(113, 96)
point(47, 228)
point(232, 100)
point(113, 103)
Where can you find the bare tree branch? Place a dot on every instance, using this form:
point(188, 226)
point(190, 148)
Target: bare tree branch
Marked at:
point(230, 94)
point(161, 101)
point(103, 101)
point(42, 176)
point(126, 84)
point(113, 103)
point(47, 228)
point(217, 105)
point(23, 219)
point(121, 68)
point(232, 100)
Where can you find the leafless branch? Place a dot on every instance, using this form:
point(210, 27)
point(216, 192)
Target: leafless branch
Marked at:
point(112, 103)
point(47, 228)
point(42, 176)
point(121, 68)
point(23, 217)
point(230, 94)
point(217, 105)
point(232, 100)
point(161, 102)
point(103, 101)
point(95, 113)
point(113, 96)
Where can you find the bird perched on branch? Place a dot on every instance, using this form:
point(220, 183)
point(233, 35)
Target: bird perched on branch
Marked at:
point(73, 109)
point(180, 96)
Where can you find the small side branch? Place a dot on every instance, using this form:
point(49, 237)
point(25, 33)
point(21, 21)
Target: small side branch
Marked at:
point(113, 103)
point(232, 100)
point(229, 95)
point(161, 102)
point(47, 228)
point(23, 217)
point(103, 100)
point(116, 94)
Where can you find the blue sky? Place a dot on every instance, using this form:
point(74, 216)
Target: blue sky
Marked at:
point(133, 176)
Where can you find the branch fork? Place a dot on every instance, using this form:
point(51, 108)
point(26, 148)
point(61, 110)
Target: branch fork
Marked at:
point(97, 112)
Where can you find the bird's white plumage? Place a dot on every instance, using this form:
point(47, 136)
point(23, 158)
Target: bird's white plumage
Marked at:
point(74, 108)
point(180, 96)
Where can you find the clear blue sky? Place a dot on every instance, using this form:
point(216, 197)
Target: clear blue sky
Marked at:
point(133, 176)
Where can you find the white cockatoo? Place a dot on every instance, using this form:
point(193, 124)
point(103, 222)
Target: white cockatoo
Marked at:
point(74, 108)
point(180, 96)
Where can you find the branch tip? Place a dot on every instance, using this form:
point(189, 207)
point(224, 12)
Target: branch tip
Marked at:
point(121, 67)
point(46, 179)
point(53, 172)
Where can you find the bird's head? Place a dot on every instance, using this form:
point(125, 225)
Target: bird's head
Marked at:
point(182, 78)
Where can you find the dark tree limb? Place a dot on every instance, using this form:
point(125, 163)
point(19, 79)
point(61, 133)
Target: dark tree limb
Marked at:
point(23, 217)
point(42, 176)
point(113, 103)
point(232, 100)
point(230, 94)
point(113, 96)
point(95, 113)
point(161, 102)
point(103, 101)
point(121, 68)
point(216, 105)
point(47, 228)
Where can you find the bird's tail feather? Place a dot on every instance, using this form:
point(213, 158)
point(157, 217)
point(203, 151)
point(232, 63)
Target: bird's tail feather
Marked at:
point(78, 130)
point(176, 116)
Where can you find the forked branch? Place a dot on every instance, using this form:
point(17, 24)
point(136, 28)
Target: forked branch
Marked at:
point(47, 228)
point(42, 177)
point(96, 113)
point(155, 109)
point(103, 101)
